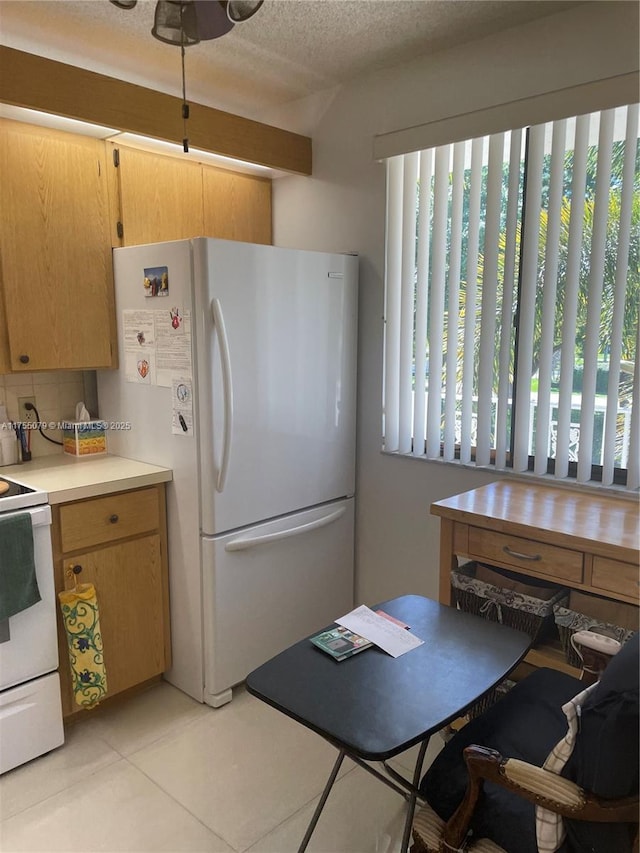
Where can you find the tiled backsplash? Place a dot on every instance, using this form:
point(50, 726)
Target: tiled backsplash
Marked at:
point(56, 394)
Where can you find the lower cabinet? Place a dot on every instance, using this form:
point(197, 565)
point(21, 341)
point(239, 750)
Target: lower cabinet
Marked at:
point(127, 564)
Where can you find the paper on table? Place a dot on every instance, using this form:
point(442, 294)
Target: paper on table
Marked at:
point(389, 637)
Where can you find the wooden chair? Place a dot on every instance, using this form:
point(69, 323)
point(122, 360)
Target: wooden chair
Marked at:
point(479, 800)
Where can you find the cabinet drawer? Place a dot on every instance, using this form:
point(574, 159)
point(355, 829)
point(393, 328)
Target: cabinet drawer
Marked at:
point(93, 522)
point(615, 576)
point(525, 554)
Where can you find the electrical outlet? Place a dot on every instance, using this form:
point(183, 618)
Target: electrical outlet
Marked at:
point(26, 415)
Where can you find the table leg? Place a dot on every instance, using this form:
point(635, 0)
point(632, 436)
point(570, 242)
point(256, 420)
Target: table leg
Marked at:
point(413, 794)
point(323, 800)
point(409, 792)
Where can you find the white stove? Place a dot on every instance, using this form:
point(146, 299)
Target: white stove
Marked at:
point(16, 495)
point(30, 706)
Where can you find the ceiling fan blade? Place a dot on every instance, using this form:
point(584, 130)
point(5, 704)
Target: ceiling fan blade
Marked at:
point(241, 10)
point(211, 20)
point(124, 4)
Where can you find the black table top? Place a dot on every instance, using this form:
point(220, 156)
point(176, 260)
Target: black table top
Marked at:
point(376, 706)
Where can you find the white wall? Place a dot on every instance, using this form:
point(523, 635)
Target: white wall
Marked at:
point(341, 208)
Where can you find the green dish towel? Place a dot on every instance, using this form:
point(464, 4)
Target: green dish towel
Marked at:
point(18, 584)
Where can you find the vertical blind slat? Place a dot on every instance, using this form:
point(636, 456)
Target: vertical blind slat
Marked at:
point(395, 170)
point(470, 308)
point(596, 272)
point(549, 285)
point(436, 308)
point(620, 289)
point(526, 309)
point(422, 285)
point(571, 289)
point(511, 229)
point(410, 181)
point(633, 470)
point(489, 299)
point(453, 303)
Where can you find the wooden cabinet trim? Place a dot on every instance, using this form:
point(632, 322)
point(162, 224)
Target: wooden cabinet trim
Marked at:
point(43, 84)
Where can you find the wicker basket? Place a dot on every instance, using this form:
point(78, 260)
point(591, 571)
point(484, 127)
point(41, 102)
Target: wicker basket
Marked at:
point(490, 698)
point(526, 613)
point(569, 622)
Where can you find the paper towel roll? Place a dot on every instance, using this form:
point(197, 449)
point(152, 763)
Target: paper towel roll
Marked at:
point(8, 445)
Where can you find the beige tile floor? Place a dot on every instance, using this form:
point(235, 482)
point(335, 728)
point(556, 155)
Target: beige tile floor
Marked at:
point(164, 773)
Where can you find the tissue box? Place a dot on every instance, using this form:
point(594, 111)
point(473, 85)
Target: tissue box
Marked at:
point(84, 438)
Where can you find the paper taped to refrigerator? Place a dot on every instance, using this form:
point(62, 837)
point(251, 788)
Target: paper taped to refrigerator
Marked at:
point(173, 345)
point(157, 346)
point(182, 399)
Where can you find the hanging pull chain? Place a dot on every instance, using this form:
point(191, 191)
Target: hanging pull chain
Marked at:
point(185, 105)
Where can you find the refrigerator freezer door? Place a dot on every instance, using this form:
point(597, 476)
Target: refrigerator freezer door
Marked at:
point(276, 353)
point(271, 585)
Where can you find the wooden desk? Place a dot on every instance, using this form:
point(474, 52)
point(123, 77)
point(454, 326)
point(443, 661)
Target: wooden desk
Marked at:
point(586, 541)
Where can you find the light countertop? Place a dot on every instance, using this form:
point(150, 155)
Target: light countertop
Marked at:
point(66, 478)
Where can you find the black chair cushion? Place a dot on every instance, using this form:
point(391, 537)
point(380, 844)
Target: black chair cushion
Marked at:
point(606, 756)
point(526, 724)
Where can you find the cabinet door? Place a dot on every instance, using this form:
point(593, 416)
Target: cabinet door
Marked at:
point(236, 207)
point(160, 197)
point(56, 258)
point(128, 580)
point(5, 362)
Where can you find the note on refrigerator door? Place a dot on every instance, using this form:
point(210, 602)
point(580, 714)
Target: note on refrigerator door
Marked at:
point(389, 637)
point(182, 399)
point(138, 331)
point(173, 345)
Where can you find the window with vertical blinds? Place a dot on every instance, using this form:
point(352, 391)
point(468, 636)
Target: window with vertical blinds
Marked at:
point(512, 300)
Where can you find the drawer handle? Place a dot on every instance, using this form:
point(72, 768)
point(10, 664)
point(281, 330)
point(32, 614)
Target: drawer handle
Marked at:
point(519, 556)
point(113, 518)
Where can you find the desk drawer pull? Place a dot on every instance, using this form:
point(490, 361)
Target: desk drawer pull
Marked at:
point(519, 556)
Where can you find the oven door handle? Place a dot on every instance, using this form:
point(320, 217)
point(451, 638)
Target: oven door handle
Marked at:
point(40, 515)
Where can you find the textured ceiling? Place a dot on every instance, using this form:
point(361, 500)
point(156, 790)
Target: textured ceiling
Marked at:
point(289, 49)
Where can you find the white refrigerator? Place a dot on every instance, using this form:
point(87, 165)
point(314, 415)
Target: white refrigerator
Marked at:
point(238, 372)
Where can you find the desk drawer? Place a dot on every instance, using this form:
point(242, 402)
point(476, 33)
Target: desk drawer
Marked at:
point(525, 555)
point(99, 520)
point(615, 576)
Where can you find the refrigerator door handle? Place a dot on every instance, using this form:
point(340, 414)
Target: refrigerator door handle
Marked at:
point(227, 391)
point(254, 541)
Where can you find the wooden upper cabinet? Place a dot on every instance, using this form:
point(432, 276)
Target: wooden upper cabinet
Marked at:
point(158, 197)
point(5, 361)
point(236, 207)
point(56, 277)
